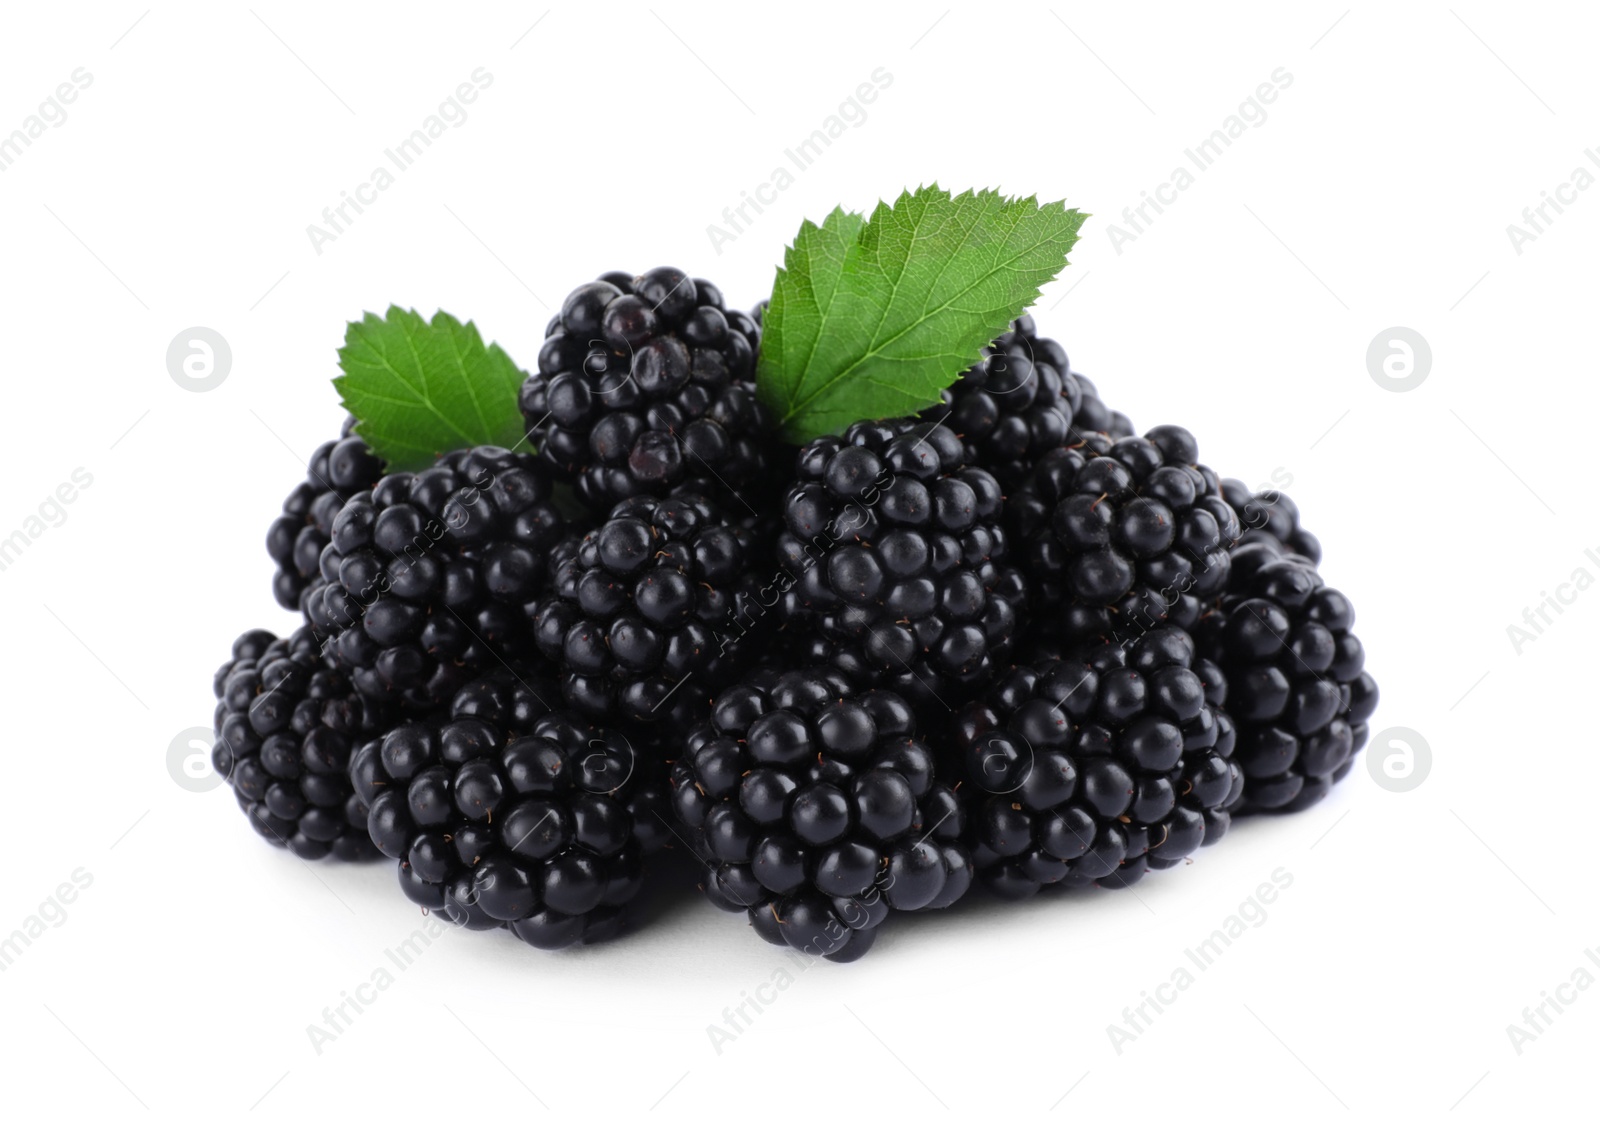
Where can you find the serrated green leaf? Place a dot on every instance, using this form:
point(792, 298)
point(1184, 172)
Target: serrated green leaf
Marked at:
point(419, 388)
point(812, 269)
point(875, 319)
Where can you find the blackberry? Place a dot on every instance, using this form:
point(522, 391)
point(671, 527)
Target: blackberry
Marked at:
point(899, 560)
point(646, 609)
point(286, 723)
point(646, 382)
point(816, 810)
point(1014, 405)
point(1096, 768)
point(1273, 517)
point(1020, 402)
point(1296, 680)
point(518, 696)
point(498, 817)
point(1124, 536)
point(337, 470)
point(427, 574)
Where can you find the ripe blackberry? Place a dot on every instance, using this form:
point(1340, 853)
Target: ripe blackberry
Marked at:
point(1015, 405)
point(427, 573)
point(1124, 536)
point(645, 382)
point(1273, 517)
point(1020, 402)
point(899, 560)
point(816, 810)
point(1096, 768)
point(645, 610)
point(500, 817)
point(337, 470)
point(1295, 677)
point(518, 696)
point(286, 723)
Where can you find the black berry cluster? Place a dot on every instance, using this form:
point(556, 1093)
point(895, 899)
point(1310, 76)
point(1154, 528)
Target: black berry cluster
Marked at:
point(429, 574)
point(1020, 402)
point(646, 615)
point(1015, 405)
point(645, 382)
point(498, 817)
point(1123, 536)
point(519, 695)
point(287, 723)
point(1098, 767)
point(336, 471)
point(818, 811)
point(1297, 684)
point(899, 560)
point(1003, 641)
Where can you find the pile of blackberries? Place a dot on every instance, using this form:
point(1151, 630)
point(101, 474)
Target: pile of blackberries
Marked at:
point(1004, 642)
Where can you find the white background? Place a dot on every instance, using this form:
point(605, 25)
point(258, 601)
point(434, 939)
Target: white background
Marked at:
point(1376, 193)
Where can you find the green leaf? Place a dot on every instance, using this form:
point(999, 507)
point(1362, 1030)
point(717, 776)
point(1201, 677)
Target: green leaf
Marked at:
point(419, 389)
point(875, 318)
point(802, 298)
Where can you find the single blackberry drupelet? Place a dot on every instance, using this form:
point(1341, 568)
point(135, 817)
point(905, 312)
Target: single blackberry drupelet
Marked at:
point(1096, 768)
point(1124, 536)
point(817, 812)
point(1271, 516)
point(646, 382)
point(428, 573)
point(500, 817)
point(286, 724)
point(337, 470)
point(1297, 686)
point(644, 617)
point(899, 561)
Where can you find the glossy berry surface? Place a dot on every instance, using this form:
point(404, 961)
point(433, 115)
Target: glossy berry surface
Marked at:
point(645, 383)
point(899, 561)
point(1273, 517)
point(1005, 640)
point(1098, 767)
point(1297, 683)
point(286, 724)
point(519, 696)
point(1014, 405)
point(1021, 401)
point(816, 810)
point(428, 573)
point(336, 471)
point(1124, 536)
point(498, 817)
point(643, 616)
